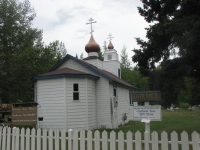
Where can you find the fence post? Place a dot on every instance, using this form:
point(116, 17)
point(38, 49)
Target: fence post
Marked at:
point(70, 139)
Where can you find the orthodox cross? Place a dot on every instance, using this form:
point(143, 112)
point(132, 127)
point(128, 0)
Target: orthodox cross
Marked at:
point(91, 22)
point(110, 37)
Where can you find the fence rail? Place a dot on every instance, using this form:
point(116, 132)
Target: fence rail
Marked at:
point(21, 139)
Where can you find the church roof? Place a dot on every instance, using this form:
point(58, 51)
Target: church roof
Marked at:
point(53, 73)
point(92, 46)
point(65, 72)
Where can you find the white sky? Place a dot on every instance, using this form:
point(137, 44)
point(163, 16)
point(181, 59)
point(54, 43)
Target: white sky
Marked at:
point(65, 20)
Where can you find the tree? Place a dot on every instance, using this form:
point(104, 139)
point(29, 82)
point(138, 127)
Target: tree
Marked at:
point(132, 75)
point(125, 63)
point(81, 56)
point(22, 52)
point(176, 25)
point(104, 46)
point(58, 48)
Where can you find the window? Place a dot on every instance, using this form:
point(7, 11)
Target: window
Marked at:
point(109, 57)
point(130, 97)
point(75, 91)
point(119, 73)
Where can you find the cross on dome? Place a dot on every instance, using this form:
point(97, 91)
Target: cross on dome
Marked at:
point(91, 22)
point(110, 37)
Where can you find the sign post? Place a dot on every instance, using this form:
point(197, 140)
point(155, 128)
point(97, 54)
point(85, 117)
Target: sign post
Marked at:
point(147, 113)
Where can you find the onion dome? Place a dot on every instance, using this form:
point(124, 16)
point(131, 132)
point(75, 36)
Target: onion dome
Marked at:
point(92, 46)
point(110, 45)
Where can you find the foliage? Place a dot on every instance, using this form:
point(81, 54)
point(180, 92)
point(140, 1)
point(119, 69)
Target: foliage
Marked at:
point(132, 75)
point(58, 48)
point(81, 56)
point(125, 63)
point(184, 105)
point(100, 55)
point(22, 52)
point(176, 25)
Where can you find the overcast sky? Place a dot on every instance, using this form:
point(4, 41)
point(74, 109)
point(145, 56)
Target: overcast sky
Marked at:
point(65, 20)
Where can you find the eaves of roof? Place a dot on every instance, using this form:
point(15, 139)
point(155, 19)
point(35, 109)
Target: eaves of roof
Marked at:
point(110, 77)
point(65, 75)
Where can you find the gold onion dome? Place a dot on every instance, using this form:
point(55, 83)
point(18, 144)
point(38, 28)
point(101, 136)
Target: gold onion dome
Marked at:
point(92, 46)
point(110, 45)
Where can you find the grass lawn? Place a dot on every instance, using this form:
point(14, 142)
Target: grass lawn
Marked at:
point(179, 121)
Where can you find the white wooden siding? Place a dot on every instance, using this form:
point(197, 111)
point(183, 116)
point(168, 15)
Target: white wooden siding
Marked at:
point(92, 106)
point(50, 96)
point(112, 66)
point(123, 104)
point(96, 62)
point(76, 66)
point(76, 109)
point(103, 104)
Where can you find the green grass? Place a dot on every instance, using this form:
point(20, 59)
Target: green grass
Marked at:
point(179, 121)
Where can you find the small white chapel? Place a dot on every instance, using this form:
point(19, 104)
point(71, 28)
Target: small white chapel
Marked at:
point(84, 94)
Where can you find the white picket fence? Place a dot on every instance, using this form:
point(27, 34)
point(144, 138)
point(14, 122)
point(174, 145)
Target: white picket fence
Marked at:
point(16, 139)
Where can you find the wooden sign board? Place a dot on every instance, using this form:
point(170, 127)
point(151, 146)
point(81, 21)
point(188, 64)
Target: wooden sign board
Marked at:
point(146, 96)
point(24, 115)
point(152, 113)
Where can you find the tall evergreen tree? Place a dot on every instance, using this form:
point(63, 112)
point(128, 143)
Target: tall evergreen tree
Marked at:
point(22, 52)
point(176, 25)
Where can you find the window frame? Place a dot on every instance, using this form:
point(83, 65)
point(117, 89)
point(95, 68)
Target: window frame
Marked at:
point(76, 92)
point(109, 57)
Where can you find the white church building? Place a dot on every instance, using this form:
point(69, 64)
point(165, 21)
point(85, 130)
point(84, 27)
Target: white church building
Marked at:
point(84, 94)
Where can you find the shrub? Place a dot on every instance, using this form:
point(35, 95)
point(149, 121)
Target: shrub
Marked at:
point(184, 105)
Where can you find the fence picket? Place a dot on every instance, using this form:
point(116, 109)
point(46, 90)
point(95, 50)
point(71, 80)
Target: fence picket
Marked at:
point(56, 133)
point(104, 140)
point(154, 137)
point(1, 134)
point(121, 140)
point(75, 140)
point(22, 135)
point(97, 140)
point(17, 139)
point(129, 137)
point(164, 140)
point(146, 140)
point(82, 140)
point(25, 139)
point(184, 141)
point(174, 140)
point(38, 139)
point(44, 140)
point(63, 140)
point(13, 138)
point(70, 132)
point(112, 140)
point(28, 139)
point(8, 138)
point(195, 140)
point(89, 140)
point(4, 139)
point(50, 139)
point(33, 139)
point(138, 141)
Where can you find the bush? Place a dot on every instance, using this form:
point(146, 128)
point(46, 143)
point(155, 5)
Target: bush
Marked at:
point(184, 105)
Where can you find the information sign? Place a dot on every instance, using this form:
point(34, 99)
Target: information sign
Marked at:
point(24, 115)
point(146, 96)
point(153, 113)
